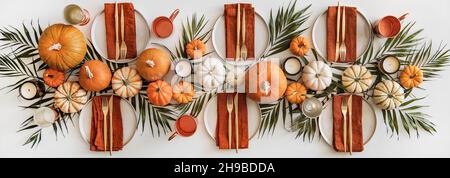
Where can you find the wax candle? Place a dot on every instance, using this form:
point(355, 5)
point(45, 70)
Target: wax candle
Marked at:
point(292, 66)
point(312, 107)
point(183, 68)
point(389, 64)
point(31, 90)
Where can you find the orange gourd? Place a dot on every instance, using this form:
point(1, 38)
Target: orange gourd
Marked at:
point(183, 92)
point(265, 82)
point(95, 75)
point(411, 77)
point(159, 93)
point(53, 77)
point(296, 93)
point(299, 46)
point(62, 46)
point(153, 64)
point(195, 49)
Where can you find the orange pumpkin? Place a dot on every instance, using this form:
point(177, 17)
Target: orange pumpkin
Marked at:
point(411, 76)
point(183, 92)
point(62, 46)
point(299, 46)
point(53, 77)
point(159, 93)
point(95, 75)
point(153, 64)
point(195, 49)
point(296, 93)
point(265, 82)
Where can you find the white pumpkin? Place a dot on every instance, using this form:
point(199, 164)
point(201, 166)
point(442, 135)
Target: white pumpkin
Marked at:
point(70, 97)
point(126, 82)
point(317, 75)
point(388, 95)
point(210, 73)
point(356, 79)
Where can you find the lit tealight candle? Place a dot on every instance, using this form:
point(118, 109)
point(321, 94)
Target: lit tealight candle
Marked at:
point(183, 68)
point(292, 66)
point(389, 64)
point(30, 90)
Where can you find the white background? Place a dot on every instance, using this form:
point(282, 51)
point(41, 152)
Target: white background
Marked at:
point(432, 15)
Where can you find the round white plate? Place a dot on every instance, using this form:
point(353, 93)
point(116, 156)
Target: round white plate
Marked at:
point(363, 33)
point(210, 117)
point(98, 36)
point(369, 122)
point(129, 120)
point(261, 36)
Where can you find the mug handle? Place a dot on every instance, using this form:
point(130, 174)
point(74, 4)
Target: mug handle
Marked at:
point(174, 14)
point(174, 134)
point(403, 16)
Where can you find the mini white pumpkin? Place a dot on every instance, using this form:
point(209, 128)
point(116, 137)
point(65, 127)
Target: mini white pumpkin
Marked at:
point(388, 95)
point(70, 97)
point(210, 73)
point(126, 82)
point(356, 79)
point(317, 75)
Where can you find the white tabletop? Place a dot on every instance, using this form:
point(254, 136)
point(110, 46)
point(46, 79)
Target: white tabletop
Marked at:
point(432, 15)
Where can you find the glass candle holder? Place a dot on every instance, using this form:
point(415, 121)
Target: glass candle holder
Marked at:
point(76, 15)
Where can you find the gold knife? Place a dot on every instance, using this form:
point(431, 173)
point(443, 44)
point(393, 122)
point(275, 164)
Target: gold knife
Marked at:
point(111, 124)
point(238, 32)
point(116, 23)
point(338, 29)
point(350, 130)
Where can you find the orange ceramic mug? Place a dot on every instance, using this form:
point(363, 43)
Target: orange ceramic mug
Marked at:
point(388, 26)
point(185, 126)
point(163, 26)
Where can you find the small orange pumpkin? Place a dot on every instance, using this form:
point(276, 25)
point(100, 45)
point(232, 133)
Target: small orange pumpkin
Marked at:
point(299, 46)
point(153, 64)
point(296, 93)
point(159, 93)
point(183, 92)
point(95, 75)
point(411, 76)
point(195, 49)
point(53, 77)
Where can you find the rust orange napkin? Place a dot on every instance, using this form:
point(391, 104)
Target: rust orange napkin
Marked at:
point(338, 143)
point(230, 14)
point(96, 137)
point(129, 28)
point(350, 33)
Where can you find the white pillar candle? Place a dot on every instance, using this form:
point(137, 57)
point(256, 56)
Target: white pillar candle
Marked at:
point(390, 64)
point(183, 68)
point(292, 66)
point(28, 90)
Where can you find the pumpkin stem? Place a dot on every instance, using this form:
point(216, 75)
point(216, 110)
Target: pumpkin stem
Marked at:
point(150, 63)
point(89, 73)
point(265, 86)
point(55, 47)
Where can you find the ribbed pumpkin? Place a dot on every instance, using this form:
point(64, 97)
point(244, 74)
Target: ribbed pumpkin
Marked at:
point(183, 92)
point(62, 46)
point(265, 82)
point(95, 75)
point(126, 82)
point(356, 79)
point(70, 97)
point(53, 77)
point(317, 75)
point(388, 95)
point(411, 77)
point(159, 93)
point(153, 64)
point(299, 46)
point(195, 49)
point(296, 93)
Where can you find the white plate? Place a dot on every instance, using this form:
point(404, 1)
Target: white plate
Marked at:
point(363, 33)
point(129, 120)
point(98, 36)
point(261, 36)
point(210, 117)
point(369, 122)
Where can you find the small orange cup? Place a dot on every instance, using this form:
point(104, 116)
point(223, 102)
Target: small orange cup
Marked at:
point(185, 126)
point(162, 26)
point(388, 26)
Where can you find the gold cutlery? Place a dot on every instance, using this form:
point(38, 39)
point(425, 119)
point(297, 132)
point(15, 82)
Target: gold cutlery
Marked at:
point(338, 36)
point(244, 50)
point(111, 125)
point(238, 31)
point(350, 130)
point(236, 119)
point(116, 24)
point(123, 46)
point(229, 109)
point(105, 126)
point(343, 47)
point(236, 97)
point(344, 113)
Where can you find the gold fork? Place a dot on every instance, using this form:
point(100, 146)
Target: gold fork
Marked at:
point(123, 45)
point(344, 113)
point(244, 46)
point(230, 109)
point(105, 126)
